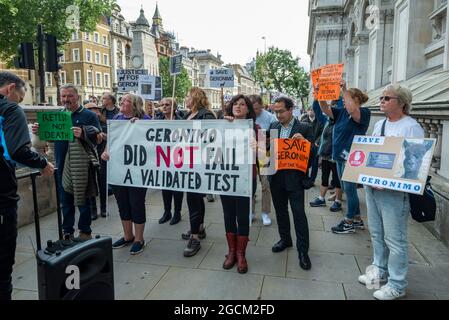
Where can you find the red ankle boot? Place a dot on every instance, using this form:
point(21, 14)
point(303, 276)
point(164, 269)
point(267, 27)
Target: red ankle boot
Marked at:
point(242, 265)
point(231, 256)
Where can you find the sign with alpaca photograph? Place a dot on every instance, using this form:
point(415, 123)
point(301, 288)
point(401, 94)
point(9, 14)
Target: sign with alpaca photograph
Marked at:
point(395, 163)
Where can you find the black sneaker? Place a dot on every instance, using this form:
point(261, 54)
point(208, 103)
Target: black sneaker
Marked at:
point(359, 224)
point(343, 228)
point(137, 247)
point(165, 217)
point(336, 206)
point(120, 243)
point(193, 246)
point(201, 235)
point(317, 202)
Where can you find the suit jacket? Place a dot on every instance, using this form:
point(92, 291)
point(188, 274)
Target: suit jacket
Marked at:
point(292, 179)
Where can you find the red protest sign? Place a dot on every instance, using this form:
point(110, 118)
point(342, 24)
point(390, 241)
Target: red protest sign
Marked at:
point(292, 154)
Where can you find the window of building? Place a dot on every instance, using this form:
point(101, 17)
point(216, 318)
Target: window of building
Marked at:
point(63, 77)
point(50, 100)
point(76, 55)
point(75, 35)
point(97, 57)
point(96, 37)
point(48, 76)
point(98, 79)
point(106, 80)
point(105, 41)
point(62, 58)
point(88, 55)
point(89, 78)
point(106, 59)
point(87, 36)
point(162, 49)
point(77, 77)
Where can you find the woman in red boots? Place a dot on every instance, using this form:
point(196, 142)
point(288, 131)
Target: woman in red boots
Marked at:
point(237, 209)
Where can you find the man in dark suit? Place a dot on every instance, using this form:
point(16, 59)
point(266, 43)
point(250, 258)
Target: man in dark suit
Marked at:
point(287, 185)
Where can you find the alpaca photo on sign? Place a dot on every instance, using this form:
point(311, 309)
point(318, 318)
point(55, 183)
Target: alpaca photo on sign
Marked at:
point(415, 159)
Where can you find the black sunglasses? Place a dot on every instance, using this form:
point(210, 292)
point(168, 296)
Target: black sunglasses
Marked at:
point(387, 98)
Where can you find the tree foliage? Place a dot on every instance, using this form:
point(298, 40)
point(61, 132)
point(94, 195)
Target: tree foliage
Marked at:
point(183, 83)
point(279, 70)
point(21, 17)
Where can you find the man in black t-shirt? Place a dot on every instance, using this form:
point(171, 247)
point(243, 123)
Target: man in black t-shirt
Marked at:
point(14, 147)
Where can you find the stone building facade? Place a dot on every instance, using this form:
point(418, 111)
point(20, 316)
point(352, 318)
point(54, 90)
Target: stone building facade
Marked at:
point(393, 41)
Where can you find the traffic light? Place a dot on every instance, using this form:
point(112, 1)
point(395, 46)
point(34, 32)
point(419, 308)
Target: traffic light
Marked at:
point(25, 56)
point(52, 54)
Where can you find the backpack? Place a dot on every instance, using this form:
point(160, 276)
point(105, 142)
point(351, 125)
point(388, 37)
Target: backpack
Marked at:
point(422, 207)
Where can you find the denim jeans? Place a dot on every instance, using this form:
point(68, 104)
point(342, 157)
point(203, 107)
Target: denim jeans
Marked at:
point(68, 211)
point(388, 213)
point(314, 168)
point(350, 189)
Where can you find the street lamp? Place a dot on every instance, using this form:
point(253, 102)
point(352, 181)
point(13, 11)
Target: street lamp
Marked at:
point(91, 67)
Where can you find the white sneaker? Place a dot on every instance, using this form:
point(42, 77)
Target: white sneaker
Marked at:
point(266, 219)
point(388, 293)
point(372, 278)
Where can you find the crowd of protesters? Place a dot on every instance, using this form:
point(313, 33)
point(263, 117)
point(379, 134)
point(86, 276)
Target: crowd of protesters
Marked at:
point(330, 128)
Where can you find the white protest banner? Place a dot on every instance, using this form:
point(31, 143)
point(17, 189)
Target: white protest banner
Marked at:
point(221, 78)
point(395, 163)
point(149, 87)
point(128, 79)
point(212, 156)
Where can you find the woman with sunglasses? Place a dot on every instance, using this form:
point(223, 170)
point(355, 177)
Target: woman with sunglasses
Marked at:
point(167, 195)
point(388, 210)
point(350, 121)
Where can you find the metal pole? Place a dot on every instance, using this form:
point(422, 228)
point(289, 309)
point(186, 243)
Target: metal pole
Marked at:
point(40, 54)
point(173, 97)
point(36, 211)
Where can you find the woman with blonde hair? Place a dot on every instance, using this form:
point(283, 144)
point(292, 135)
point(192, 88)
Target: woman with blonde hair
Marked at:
point(199, 109)
point(130, 200)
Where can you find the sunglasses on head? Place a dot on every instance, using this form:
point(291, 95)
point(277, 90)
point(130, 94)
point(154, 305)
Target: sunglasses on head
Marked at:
point(387, 98)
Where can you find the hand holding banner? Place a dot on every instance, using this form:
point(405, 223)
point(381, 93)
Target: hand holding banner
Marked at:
point(55, 125)
point(292, 154)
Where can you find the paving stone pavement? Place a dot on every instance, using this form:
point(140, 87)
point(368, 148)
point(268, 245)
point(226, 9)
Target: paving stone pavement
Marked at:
point(162, 272)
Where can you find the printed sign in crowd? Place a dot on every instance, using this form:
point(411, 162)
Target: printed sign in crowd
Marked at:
point(55, 125)
point(212, 157)
point(292, 154)
point(128, 79)
point(221, 78)
point(394, 163)
point(328, 78)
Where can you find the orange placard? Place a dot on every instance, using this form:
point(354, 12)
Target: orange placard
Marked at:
point(292, 154)
point(315, 74)
point(329, 82)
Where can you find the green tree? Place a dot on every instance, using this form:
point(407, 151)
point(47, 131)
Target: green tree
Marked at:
point(183, 83)
point(278, 69)
point(19, 24)
point(21, 17)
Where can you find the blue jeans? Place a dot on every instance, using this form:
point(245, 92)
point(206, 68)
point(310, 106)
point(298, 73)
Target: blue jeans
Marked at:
point(350, 189)
point(388, 213)
point(68, 211)
point(314, 168)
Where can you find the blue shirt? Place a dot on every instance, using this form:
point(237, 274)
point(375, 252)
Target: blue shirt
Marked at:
point(81, 117)
point(345, 129)
point(265, 119)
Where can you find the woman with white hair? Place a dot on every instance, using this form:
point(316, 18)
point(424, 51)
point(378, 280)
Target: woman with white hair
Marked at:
point(388, 210)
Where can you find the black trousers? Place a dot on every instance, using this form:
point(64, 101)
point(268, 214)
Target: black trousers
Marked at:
point(236, 214)
point(326, 168)
point(8, 240)
point(281, 197)
point(131, 203)
point(195, 203)
point(177, 196)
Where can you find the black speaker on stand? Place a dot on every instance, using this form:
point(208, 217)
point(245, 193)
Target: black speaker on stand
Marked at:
point(69, 270)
